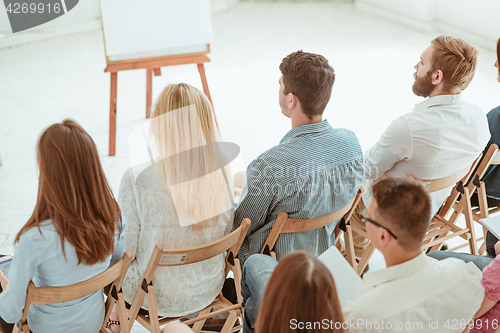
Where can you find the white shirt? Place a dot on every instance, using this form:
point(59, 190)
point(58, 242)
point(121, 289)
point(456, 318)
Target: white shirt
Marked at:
point(411, 296)
point(438, 138)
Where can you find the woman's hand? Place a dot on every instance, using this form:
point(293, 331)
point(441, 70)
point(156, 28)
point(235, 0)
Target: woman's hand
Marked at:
point(3, 280)
point(497, 248)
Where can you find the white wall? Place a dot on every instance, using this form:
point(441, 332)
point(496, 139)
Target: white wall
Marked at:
point(84, 17)
point(476, 21)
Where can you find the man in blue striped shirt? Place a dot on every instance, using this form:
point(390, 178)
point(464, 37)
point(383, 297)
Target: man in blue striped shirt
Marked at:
point(314, 171)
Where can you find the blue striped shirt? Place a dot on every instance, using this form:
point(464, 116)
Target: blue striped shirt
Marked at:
point(314, 171)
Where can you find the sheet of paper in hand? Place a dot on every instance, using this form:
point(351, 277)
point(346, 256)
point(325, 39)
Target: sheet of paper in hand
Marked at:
point(492, 224)
point(349, 284)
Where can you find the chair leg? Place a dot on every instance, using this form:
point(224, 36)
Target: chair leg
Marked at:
point(349, 247)
point(122, 314)
point(469, 223)
point(228, 325)
point(199, 324)
point(365, 258)
point(483, 212)
point(153, 314)
point(452, 220)
point(482, 248)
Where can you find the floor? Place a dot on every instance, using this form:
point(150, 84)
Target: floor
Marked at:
point(45, 82)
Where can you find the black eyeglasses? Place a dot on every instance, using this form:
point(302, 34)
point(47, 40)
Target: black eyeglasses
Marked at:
point(365, 219)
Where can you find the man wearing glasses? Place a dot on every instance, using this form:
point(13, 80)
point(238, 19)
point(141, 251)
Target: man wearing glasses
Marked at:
point(412, 294)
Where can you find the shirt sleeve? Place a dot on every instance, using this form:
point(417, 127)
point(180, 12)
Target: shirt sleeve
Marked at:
point(27, 258)
point(130, 213)
point(392, 147)
point(258, 196)
point(493, 124)
point(490, 280)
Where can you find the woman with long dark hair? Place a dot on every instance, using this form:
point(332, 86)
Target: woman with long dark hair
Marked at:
point(300, 297)
point(69, 238)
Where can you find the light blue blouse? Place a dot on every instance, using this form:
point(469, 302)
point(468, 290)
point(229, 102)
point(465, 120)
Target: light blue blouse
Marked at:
point(39, 257)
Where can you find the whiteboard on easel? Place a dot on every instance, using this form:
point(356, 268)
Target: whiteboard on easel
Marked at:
point(136, 29)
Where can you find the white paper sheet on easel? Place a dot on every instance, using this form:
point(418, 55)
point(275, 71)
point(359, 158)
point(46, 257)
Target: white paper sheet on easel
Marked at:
point(147, 28)
point(349, 284)
point(492, 224)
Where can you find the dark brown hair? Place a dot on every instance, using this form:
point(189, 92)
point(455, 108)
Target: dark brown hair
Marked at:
point(74, 193)
point(456, 58)
point(404, 207)
point(309, 77)
point(301, 288)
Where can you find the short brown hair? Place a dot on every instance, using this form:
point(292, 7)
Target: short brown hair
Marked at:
point(456, 58)
point(300, 288)
point(74, 194)
point(405, 208)
point(309, 77)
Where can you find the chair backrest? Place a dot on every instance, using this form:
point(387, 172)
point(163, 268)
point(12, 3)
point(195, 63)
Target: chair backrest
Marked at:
point(160, 257)
point(459, 179)
point(285, 224)
point(492, 156)
point(473, 181)
point(230, 243)
point(49, 295)
point(435, 185)
point(496, 157)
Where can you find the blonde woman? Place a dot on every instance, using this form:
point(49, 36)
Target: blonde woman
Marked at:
point(181, 199)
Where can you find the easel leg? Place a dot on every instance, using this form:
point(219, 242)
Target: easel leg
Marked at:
point(149, 91)
point(112, 114)
point(201, 69)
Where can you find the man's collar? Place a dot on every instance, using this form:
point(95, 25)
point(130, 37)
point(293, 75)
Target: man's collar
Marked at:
point(395, 272)
point(439, 100)
point(306, 129)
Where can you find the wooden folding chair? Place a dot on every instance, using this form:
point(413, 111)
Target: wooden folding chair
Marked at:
point(441, 228)
point(491, 157)
point(113, 275)
point(285, 225)
point(368, 252)
point(161, 258)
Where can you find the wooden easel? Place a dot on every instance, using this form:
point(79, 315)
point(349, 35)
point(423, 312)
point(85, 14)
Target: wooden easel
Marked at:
point(152, 65)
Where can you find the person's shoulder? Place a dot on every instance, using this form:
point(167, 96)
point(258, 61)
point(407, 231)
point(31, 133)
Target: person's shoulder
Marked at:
point(469, 108)
point(345, 134)
point(45, 233)
point(129, 173)
point(495, 112)
point(452, 268)
point(269, 155)
point(493, 265)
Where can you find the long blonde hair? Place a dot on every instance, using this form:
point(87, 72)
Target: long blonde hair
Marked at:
point(73, 192)
point(195, 169)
